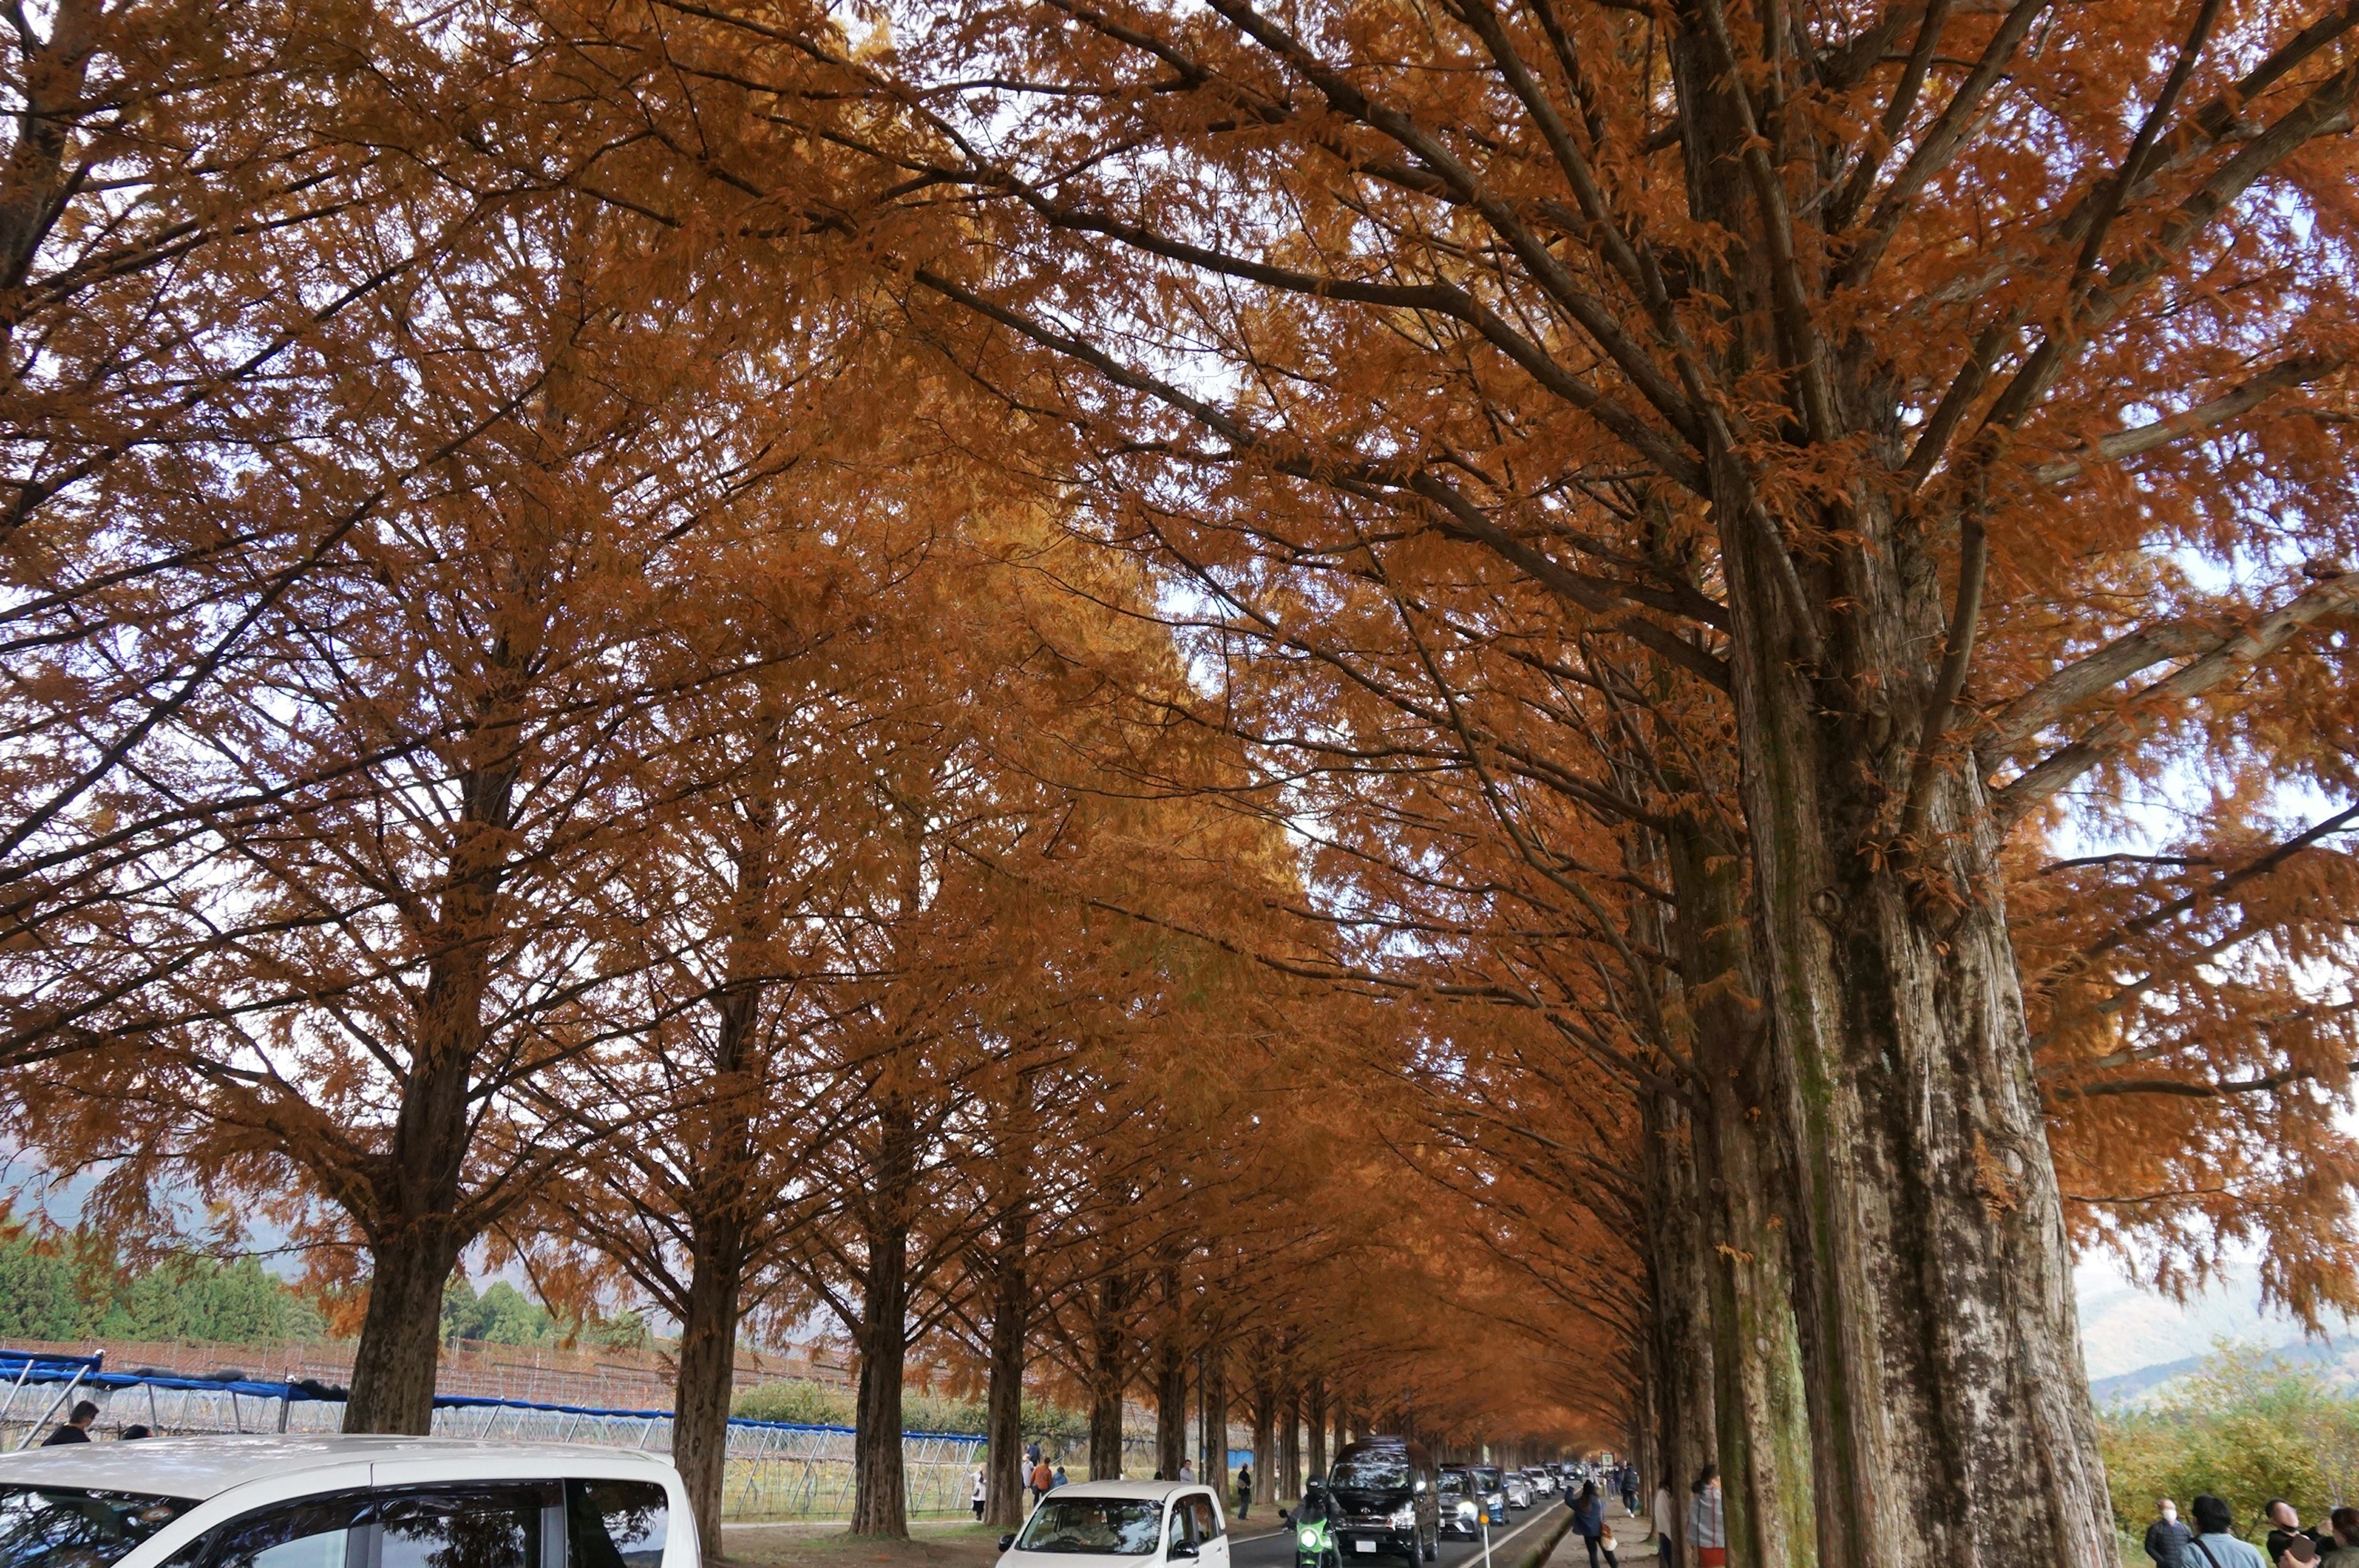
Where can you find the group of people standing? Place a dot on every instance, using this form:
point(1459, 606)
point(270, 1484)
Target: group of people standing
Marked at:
point(1040, 1479)
point(2214, 1543)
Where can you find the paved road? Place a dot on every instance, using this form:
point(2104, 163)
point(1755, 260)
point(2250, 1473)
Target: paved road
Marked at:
point(1249, 1547)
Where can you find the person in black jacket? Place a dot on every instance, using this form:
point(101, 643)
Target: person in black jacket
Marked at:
point(2166, 1538)
point(2285, 1524)
point(77, 1426)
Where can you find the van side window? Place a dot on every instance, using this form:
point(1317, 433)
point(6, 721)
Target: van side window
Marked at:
point(493, 1528)
point(1183, 1523)
point(1208, 1518)
point(615, 1524)
point(316, 1532)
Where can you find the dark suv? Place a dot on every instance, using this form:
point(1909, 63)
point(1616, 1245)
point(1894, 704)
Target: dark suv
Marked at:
point(1384, 1500)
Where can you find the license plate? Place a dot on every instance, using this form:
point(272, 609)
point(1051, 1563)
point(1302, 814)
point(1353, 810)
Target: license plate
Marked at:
point(1364, 1546)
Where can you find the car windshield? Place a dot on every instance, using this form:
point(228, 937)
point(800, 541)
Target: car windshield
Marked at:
point(1390, 1471)
point(1451, 1481)
point(1117, 1527)
point(69, 1527)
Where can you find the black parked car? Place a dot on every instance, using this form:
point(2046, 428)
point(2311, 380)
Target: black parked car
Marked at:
point(1385, 1501)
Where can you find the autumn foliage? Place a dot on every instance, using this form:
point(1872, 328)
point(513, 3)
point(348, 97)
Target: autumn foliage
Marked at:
point(1067, 687)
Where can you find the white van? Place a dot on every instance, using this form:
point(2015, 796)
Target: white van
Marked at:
point(341, 1502)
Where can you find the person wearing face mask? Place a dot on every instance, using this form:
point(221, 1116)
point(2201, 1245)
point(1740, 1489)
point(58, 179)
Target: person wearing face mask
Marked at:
point(2166, 1538)
point(2285, 1527)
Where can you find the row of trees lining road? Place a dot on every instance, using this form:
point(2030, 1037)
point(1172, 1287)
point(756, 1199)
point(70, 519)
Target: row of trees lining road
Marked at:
point(1069, 684)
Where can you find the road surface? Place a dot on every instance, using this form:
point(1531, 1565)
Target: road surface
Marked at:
point(1254, 1543)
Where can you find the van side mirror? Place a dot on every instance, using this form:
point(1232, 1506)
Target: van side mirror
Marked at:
point(1182, 1549)
point(1006, 1541)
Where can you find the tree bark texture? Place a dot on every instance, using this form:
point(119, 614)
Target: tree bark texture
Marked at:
point(1289, 1445)
point(1110, 1375)
point(879, 1494)
point(1760, 1415)
point(708, 1371)
point(401, 1332)
point(1314, 1420)
point(1004, 1401)
point(1682, 1318)
point(1213, 1414)
point(1170, 1398)
point(1950, 1417)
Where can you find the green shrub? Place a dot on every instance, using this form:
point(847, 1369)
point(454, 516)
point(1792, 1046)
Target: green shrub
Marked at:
point(2248, 1427)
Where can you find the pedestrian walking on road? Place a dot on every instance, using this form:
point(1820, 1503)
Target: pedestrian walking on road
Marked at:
point(1708, 1522)
point(2166, 1538)
point(1630, 1491)
point(980, 1489)
point(1042, 1479)
point(1245, 1490)
point(1589, 1523)
point(2216, 1544)
point(76, 1428)
point(1667, 1551)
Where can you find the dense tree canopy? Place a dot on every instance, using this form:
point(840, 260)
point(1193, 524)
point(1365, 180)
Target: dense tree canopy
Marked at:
point(1072, 685)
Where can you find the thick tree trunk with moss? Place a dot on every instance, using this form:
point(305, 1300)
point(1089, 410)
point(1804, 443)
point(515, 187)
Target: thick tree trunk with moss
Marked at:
point(1677, 1250)
point(1762, 1424)
point(1950, 1417)
point(1314, 1422)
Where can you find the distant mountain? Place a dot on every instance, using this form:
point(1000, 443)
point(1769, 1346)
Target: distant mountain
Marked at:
point(2136, 1340)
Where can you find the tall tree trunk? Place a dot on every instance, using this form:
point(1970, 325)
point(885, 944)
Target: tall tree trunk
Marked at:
point(1951, 1419)
point(1004, 1401)
point(1171, 1381)
point(1342, 1425)
point(1264, 1433)
point(708, 1371)
point(1110, 1375)
point(1170, 1408)
point(416, 1230)
point(879, 1493)
point(1314, 1416)
point(1288, 1483)
point(1762, 1423)
point(1682, 1298)
point(401, 1332)
point(1213, 1414)
point(720, 1229)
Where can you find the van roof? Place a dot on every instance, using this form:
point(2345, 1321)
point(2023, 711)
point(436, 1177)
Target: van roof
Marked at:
point(201, 1467)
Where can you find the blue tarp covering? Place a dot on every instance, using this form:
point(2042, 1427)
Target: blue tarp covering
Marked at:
point(34, 1367)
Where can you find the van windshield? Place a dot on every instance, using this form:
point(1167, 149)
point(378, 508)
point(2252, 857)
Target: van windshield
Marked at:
point(1116, 1527)
point(1372, 1472)
point(73, 1527)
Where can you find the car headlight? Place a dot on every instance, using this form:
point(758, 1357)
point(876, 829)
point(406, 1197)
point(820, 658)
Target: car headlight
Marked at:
point(1466, 1510)
point(1405, 1517)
